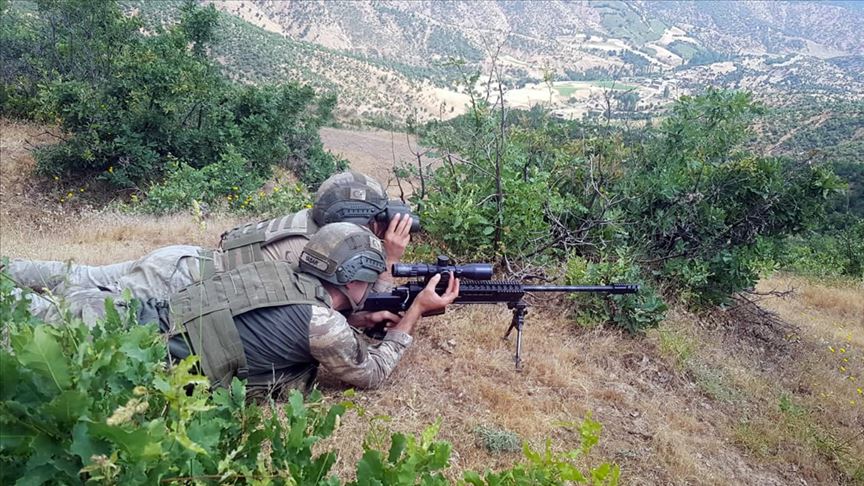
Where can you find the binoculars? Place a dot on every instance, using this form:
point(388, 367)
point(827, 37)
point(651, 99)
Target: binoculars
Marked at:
point(471, 271)
point(395, 207)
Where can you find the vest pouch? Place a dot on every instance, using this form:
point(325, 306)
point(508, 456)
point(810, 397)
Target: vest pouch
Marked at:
point(214, 338)
point(205, 311)
point(202, 311)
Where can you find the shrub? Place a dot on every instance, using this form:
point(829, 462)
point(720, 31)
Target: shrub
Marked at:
point(147, 423)
point(632, 312)
point(496, 440)
point(133, 104)
point(227, 179)
point(226, 185)
point(684, 204)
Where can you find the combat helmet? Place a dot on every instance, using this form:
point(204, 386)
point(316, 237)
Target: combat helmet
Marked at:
point(343, 252)
point(349, 197)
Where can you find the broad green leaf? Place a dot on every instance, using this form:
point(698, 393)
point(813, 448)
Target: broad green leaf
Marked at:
point(14, 435)
point(473, 478)
point(68, 406)
point(397, 446)
point(138, 443)
point(441, 457)
point(44, 355)
point(430, 433)
point(8, 375)
point(38, 476)
point(370, 470)
point(83, 445)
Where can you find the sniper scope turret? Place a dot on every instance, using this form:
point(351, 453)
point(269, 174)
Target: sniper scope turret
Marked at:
point(471, 271)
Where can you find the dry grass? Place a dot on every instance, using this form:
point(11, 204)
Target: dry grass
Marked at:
point(695, 402)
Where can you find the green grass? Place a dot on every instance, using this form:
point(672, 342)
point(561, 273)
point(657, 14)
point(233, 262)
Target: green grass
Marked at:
point(567, 90)
point(612, 84)
point(683, 49)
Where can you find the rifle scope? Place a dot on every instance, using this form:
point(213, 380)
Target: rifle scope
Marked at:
point(472, 271)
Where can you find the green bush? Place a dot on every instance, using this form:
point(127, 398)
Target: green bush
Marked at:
point(632, 312)
point(147, 423)
point(699, 203)
point(497, 440)
point(224, 185)
point(226, 179)
point(829, 253)
point(134, 104)
point(683, 206)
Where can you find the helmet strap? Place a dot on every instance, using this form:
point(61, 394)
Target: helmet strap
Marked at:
point(355, 306)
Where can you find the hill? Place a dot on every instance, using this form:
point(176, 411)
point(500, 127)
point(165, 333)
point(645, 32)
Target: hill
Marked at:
point(391, 60)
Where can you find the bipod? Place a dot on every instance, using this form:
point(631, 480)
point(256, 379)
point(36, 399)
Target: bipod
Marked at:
point(519, 308)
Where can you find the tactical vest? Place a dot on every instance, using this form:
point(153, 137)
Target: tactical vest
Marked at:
point(243, 244)
point(205, 311)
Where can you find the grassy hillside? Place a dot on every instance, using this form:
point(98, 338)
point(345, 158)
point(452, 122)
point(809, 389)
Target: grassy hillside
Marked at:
point(734, 396)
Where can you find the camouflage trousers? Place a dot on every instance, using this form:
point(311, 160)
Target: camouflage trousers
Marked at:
point(82, 289)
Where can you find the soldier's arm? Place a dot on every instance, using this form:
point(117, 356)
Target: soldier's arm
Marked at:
point(337, 348)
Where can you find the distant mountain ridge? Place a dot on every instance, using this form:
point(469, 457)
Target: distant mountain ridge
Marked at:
point(390, 59)
point(419, 31)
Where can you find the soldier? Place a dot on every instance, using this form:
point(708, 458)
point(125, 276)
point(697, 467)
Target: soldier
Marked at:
point(274, 324)
point(348, 196)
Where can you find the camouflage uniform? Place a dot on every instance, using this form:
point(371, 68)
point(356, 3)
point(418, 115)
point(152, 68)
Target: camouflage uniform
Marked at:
point(82, 289)
point(155, 275)
point(336, 346)
point(272, 323)
point(348, 196)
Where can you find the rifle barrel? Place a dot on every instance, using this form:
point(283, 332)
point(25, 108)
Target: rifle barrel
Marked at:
point(609, 289)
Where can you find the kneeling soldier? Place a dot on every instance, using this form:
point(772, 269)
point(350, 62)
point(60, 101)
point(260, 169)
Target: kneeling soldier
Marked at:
point(273, 324)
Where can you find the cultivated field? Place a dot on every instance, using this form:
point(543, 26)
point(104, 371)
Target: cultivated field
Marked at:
point(733, 397)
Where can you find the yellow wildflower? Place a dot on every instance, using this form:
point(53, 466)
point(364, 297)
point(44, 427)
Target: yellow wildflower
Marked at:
point(831, 348)
point(69, 194)
point(845, 360)
point(235, 188)
point(308, 206)
point(81, 190)
point(276, 189)
point(843, 369)
point(842, 350)
point(56, 178)
point(860, 391)
point(111, 169)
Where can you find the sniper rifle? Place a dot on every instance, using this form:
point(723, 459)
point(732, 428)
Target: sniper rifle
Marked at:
point(475, 287)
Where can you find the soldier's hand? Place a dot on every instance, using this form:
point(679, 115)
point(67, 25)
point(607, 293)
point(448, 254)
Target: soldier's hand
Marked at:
point(363, 320)
point(397, 237)
point(429, 301)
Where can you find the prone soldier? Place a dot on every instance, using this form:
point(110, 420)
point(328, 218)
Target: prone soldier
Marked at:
point(273, 324)
point(345, 197)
